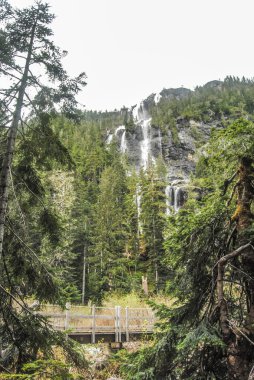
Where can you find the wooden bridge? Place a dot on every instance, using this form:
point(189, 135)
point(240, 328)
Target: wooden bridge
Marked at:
point(101, 324)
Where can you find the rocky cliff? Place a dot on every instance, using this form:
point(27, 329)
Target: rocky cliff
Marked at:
point(145, 142)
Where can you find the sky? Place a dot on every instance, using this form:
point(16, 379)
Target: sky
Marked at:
point(132, 48)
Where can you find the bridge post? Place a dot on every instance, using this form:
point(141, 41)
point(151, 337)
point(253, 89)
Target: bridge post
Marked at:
point(127, 324)
point(67, 315)
point(116, 323)
point(93, 324)
point(119, 325)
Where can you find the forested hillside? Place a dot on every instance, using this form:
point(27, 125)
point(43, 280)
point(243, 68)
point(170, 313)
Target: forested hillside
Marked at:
point(121, 206)
point(95, 203)
point(179, 218)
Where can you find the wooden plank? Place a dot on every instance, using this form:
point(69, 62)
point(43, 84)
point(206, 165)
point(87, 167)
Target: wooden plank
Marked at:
point(142, 318)
point(55, 315)
point(122, 325)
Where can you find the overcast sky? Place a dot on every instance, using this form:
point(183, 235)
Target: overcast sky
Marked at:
point(132, 48)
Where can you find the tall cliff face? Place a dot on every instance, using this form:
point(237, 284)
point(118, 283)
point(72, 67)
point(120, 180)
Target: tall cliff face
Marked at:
point(144, 142)
point(180, 152)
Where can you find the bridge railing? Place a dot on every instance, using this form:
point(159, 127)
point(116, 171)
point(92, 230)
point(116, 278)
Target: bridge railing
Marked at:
point(94, 320)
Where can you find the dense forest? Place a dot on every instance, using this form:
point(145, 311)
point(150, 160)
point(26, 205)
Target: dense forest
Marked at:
point(92, 202)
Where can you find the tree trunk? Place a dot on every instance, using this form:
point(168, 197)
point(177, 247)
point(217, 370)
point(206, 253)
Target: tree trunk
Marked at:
point(84, 277)
point(12, 134)
point(245, 198)
point(240, 352)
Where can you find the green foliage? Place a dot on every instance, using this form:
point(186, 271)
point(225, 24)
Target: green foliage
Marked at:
point(102, 237)
point(203, 335)
point(224, 102)
point(31, 225)
point(234, 143)
point(49, 225)
point(93, 229)
point(190, 344)
point(105, 216)
point(152, 222)
point(109, 240)
point(129, 122)
point(44, 369)
point(69, 293)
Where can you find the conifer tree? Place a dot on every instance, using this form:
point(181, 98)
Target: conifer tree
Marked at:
point(152, 220)
point(109, 239)
point(25, 37)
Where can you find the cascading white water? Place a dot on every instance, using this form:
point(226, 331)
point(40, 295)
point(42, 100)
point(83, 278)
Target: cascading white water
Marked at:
point(135, 113)
point(142, 118)
point(173, 198)
point(145, 144)
point(138, 205)
point(177, 201)
point(146, 154)
point(168, 199)
point(109, 138)
point(120, 128)
point(123, 146)
point(123, 143)
point(157, 98)
point(160, 143)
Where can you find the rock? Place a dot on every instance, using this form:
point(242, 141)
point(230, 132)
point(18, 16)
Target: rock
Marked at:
point(144, 143)
point(100, 364)
point(214, 84)
point(177, 93)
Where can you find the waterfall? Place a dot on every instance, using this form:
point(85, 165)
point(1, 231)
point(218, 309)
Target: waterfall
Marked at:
point(138, 205)
point(177, 198)
point(168, 199)
point(145, 143)
point(123, 142)
point(118, 129)
point(160, 143)
point(157, 98)
point(142, 118)
point(109, 138)
point(174, 198)
point(148, 139)
point(123, 146)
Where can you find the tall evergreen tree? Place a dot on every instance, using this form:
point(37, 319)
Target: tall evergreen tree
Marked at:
point(26, 37)
point(25, 219)
point(152, 221)
point(109, 239)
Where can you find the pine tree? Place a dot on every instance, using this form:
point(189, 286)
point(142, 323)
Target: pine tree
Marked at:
point(109, 239)
point(26, 38)
point(152, 220)
point(90, 155)
point(29, 226)
point(132, 227)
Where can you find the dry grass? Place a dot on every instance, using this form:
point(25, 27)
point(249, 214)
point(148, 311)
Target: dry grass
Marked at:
point(134, 300)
